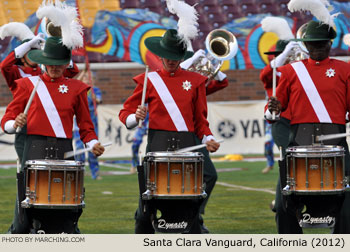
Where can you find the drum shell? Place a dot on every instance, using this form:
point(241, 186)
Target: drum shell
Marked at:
point(170, 175)
point(316, 169)
point(54, 184)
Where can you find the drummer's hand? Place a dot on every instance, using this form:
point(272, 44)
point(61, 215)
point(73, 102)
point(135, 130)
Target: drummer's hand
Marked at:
point(274, 105)
point(20, 121)
point(98, 149)
point(212, 145)
point(141, 113)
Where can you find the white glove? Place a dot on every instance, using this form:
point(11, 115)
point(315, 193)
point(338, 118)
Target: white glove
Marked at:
point(21, 50)
point(281, 59)
point(220, 76)
point(35, 43)
point(187, 63)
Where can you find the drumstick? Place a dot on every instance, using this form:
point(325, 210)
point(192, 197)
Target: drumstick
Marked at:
point(140, 158)
point(72, 153)
point(331, 136)
point(29, 102)
point(195, 147)
point(144, 92)
point(274, 86)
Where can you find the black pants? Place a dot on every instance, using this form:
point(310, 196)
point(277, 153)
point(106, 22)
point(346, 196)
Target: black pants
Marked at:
point(41, 147)
point(286, 207)
point(162, 141)
point(20, 139)
point(210, 175)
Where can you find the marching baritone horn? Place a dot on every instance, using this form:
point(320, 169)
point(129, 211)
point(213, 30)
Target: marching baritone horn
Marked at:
point(221, 45)
point(52, 30)
point(299, 52)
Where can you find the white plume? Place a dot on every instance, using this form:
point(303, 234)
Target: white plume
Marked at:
point(277, 25)
point(187, 25)
point(15, 29)
point(320, 9)
point(346, 39)
point(66, 17)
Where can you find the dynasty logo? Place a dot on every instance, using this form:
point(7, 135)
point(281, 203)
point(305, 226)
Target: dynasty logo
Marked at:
point(308, 219)
point(162, 224)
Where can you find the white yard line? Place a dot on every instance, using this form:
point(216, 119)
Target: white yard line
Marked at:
point(124, 167)
point(246, 188)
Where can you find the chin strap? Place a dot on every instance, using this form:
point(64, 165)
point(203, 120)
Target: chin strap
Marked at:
point(27, 63)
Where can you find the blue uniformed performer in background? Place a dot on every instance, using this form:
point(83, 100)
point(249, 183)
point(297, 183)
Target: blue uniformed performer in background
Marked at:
point(94, 99)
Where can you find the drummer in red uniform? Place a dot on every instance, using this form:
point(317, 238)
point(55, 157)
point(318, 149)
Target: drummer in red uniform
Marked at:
point(17, 65)
point(50, 119)
point(177, 108)
point(317, 94)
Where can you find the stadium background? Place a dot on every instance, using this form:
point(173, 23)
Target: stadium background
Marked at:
point(114, 32)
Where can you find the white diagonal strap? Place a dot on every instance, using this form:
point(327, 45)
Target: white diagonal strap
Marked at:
point(49, 107)
point(168, 101)
point(311, 92)
point(22, 73)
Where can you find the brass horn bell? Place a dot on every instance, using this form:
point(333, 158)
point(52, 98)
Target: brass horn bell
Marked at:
point(221, 45)
point(52, 30)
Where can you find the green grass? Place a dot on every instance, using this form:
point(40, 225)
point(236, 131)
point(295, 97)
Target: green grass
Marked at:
point(229, 211)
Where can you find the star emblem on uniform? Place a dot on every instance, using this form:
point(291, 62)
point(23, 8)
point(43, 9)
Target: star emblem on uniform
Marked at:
point(63, 89)
point(330, 72)
point(186, 85)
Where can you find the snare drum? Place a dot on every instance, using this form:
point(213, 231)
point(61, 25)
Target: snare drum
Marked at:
point(54, 184)
point(171, 175)
point(315, 170)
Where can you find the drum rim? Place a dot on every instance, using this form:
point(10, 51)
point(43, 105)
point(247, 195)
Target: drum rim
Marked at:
point(54, 162)
point(173, 154)
point(315, 149)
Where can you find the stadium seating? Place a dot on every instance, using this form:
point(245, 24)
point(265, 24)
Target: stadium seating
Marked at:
point(124, 4)
point(250, 9)
point(212, 13)
point(111, 5)
point(271, 8)
point(150, 3)
point(13, 10)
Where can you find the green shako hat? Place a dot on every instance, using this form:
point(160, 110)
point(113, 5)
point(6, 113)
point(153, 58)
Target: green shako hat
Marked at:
point(280, 45)
point(169, 46)
point(54, 53)
point(188, 55)
point(317, 31)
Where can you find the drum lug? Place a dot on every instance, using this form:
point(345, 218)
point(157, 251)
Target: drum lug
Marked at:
point(25, 203)
point(346, 184)
point(147, 195)
point(286, 190)
point(152, 186)
point(30, 194)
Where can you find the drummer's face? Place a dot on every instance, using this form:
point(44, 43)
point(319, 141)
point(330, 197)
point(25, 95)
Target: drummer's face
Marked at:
point(55, 71)
point(170, 65)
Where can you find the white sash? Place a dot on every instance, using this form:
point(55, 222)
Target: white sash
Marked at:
point(22, 73)
point(311, 92)
point(168, 101)
point(49, 107)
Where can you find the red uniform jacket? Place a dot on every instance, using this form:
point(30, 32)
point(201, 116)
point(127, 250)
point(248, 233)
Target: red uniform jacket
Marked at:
point(331, 78)
point(266, 76)
point(191, 102)
point(215, 85)
point(69, 103)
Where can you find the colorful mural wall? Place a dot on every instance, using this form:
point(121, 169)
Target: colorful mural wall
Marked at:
point(119, 36)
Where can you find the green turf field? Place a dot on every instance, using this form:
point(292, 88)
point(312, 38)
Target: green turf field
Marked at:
point(235, 206)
